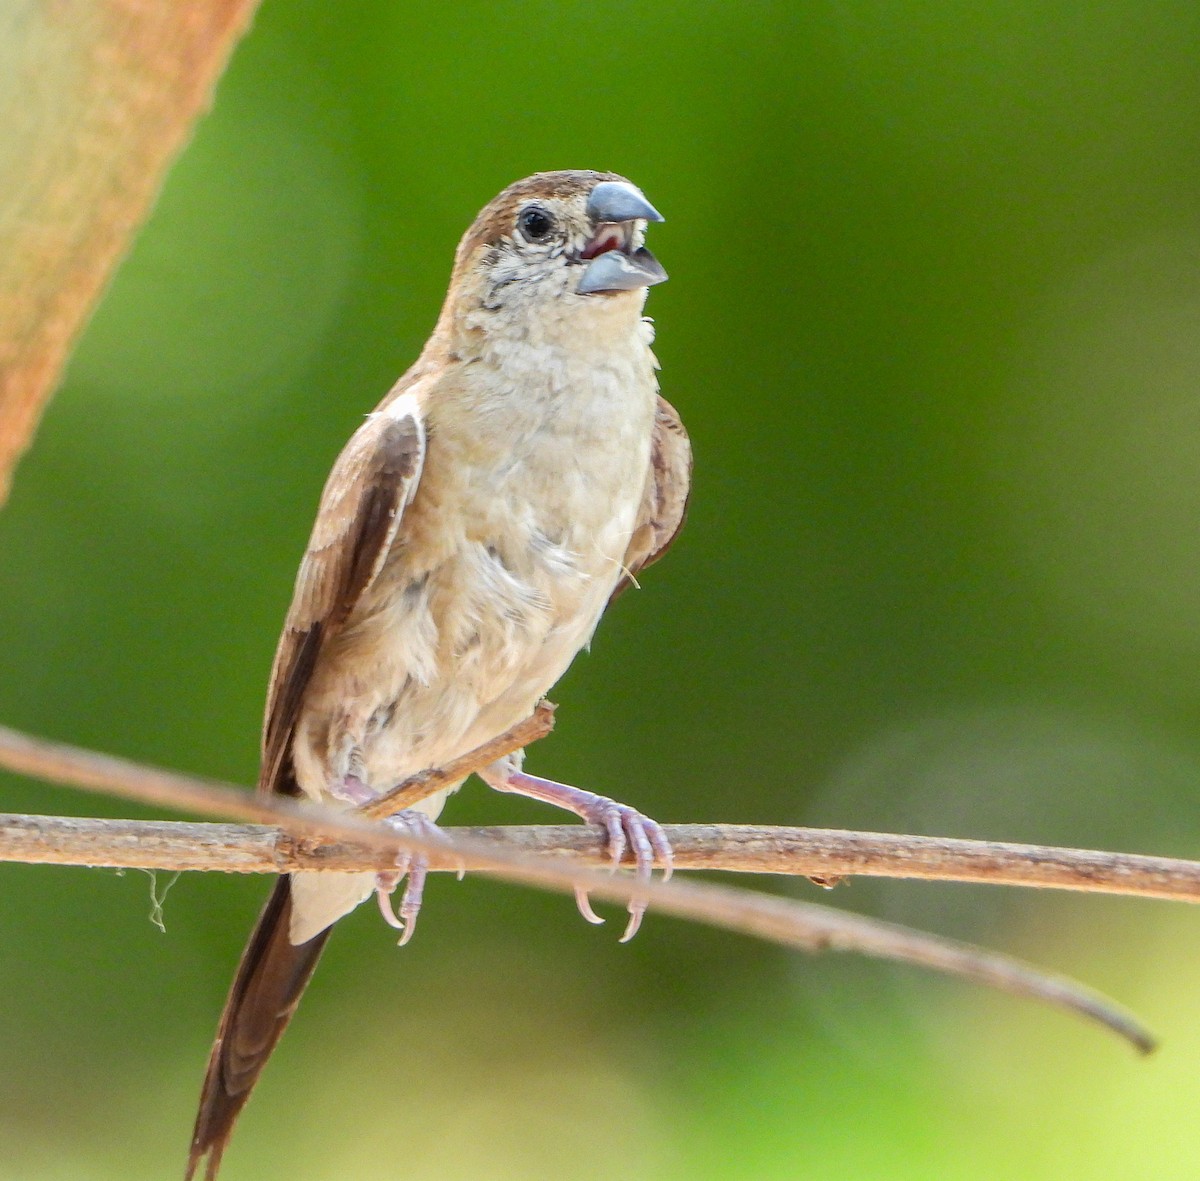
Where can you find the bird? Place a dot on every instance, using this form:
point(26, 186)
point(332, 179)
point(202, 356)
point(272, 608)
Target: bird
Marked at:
point(470, 535)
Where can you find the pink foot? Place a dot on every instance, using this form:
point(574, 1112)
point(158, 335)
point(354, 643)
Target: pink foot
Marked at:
point(626, 827)
point(352, 790)
point(415, 866)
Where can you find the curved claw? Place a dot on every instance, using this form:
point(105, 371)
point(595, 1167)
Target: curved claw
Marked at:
point(649, 843)
point(383, 895)
point(410, 904)
point(585, 907)
point(637, 908)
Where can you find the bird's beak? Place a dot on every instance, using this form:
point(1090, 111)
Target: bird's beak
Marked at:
point(616, 200)
point(615, 208)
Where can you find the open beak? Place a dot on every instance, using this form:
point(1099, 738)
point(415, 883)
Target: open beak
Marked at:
point(616, 265)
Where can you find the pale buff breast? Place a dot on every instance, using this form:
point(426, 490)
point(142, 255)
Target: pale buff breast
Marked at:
point(501, 570)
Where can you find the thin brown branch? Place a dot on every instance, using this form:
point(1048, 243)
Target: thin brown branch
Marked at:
point(812, 852)
point(73, 766)
point(253, 849)
point(427, 783)
point(728, 848)
point(780, 920)
point(103, 95)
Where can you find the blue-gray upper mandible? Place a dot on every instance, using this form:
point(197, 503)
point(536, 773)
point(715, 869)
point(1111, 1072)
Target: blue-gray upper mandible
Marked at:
point(617, 200)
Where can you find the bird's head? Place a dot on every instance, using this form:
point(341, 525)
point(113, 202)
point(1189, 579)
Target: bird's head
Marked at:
point(562, 244)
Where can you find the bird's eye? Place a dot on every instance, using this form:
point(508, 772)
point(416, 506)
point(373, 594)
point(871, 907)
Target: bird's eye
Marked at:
point(535, 224)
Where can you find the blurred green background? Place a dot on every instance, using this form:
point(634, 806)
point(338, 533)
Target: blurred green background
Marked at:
point(934, 325)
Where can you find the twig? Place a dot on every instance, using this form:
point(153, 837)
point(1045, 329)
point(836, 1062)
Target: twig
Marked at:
point(811, 852)
point(58, 762)
point(427, 783)
point(780, 920)
point(255, 849)
point(729, 848)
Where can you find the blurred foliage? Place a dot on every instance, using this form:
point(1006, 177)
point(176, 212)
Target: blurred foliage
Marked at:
point(934, 325)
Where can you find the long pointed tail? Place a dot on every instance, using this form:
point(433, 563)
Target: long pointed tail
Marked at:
point(266, 990)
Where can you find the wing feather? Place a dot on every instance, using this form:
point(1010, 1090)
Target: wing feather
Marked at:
point(372, 482)
point(664, 503)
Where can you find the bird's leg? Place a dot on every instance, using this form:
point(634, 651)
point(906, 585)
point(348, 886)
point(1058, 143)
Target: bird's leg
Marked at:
point(625, 826)
point(408, 822)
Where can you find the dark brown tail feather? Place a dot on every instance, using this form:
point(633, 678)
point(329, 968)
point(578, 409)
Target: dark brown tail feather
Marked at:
point(266, 990)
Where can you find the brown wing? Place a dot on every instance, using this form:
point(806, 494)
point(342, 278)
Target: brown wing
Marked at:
point(372, 481)
point(664, 504)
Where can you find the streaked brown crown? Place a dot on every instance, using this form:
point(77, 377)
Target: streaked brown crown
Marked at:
point(496, 218)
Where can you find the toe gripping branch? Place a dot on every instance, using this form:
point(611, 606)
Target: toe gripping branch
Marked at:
point(625, 829)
